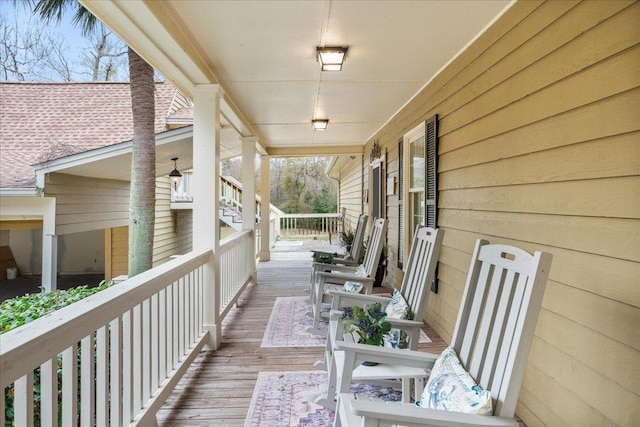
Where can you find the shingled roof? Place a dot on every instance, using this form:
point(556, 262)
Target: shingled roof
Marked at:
point(46, 121)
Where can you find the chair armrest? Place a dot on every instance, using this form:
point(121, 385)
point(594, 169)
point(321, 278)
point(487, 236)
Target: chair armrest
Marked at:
point(344, 298)
point(411, 415)
point(392, 356)
point(319, 267)
point(342, 277)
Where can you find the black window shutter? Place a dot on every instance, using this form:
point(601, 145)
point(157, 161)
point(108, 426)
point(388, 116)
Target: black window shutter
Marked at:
point(400, 205)
point(431, 179)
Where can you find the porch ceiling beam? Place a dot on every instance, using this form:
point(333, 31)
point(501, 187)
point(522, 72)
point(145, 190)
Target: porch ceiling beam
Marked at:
point(151, 29)
point(317, 150)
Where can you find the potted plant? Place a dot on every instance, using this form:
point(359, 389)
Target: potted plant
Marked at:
point(368, 324)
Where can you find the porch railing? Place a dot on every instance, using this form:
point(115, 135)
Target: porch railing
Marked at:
point(299, 225)
point(120, 351)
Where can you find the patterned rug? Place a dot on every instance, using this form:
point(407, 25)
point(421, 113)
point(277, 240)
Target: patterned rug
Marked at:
point(286, 399)
point(287, 324)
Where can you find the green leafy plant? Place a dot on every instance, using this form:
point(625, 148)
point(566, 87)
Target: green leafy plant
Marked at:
point(368, 323)
point(346, 239)
point(18, 311)
point(324, 258)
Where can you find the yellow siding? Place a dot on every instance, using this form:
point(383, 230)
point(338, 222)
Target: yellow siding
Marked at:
point(539, 131)
point(116, 252)
point(351, 192)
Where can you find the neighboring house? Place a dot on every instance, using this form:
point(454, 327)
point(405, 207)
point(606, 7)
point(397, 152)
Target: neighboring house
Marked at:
point(56, 222)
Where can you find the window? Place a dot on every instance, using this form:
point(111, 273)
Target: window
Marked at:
point(418, 170)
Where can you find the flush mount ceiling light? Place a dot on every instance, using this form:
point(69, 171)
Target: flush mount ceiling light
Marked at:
point(331, 57)
point(320, 124)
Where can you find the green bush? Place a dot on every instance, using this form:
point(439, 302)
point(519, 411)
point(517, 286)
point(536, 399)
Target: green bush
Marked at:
point(18, 311)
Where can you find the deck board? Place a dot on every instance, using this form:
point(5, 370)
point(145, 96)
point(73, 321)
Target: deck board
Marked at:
point(217, 388)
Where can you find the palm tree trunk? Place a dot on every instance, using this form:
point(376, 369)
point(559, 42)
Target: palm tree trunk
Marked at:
point(143, 166)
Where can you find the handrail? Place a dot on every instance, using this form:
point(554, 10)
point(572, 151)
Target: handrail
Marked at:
point(127, 346)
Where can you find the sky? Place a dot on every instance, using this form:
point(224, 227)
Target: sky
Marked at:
point(72, 35)
point(75, 44)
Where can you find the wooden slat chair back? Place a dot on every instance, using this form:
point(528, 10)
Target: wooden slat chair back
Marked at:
point(421, 267)
point(492, 337)
point(497, 319)
point(374, 246)
point(350, 259)
point(415, 288)
point(358, 237)
point(324, 281)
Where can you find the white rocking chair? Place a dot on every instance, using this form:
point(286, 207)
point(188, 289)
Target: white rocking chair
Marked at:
point(415, 289)
point(334, 279)
point(492, 337)
point(351, 257)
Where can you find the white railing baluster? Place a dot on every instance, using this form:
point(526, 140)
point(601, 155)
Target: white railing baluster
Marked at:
point(136, 372)
point(155, 351)
point(146, 352)
point(115, 371)
point(70, 386)
point(87, 372)
point(48, 393)
point(23, 401)
point(176, 324)
point(192, 319)
point(127, 367)
point(162, 335)
point(181, 317)
point(136, 340)
point(102, 377)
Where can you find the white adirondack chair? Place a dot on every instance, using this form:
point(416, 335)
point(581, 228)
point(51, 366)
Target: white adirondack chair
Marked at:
point(492, 337)
point(416, 283)
point(325, 281)
point(351, 257)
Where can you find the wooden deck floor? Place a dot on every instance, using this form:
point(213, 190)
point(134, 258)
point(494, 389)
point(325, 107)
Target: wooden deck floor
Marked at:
point(217, 389)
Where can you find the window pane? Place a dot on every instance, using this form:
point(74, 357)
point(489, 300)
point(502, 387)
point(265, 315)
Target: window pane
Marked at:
point(417, 210)
point(416, 177)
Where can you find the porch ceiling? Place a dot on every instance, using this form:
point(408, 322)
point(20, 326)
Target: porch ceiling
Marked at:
point(262, 53)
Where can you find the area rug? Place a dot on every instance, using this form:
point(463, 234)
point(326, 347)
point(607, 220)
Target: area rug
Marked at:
point(288, 321)
point(287, 324)
point(286, 399)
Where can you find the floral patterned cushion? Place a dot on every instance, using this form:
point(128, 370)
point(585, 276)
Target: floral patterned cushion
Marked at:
point(360, 271)
point(397, 309)
point(353, 287)
point(451, 388)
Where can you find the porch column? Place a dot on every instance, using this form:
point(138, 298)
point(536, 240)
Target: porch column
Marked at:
point(265, 196)
point(249, 192)
point(49, 247)
point(206, 196)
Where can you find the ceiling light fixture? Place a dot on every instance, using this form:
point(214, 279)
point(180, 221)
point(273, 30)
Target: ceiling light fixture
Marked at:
point(320, 124)
point(175, 175)
point(331, 57)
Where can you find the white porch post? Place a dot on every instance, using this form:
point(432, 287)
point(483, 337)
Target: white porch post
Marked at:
point(249, 191)
point(265, 166)
point(206, 195)
point(49, 247)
